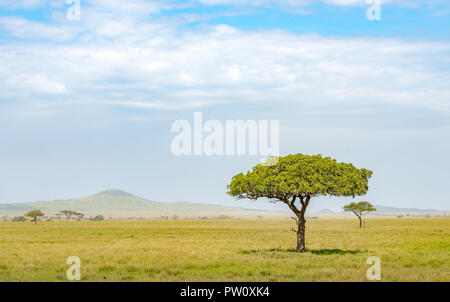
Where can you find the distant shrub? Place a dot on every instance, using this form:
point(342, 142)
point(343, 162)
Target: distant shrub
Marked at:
point(19, 218)
point(224, 217)
point(98, 218)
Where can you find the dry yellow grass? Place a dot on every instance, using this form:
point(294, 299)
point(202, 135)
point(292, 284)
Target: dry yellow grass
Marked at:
point(231, 250)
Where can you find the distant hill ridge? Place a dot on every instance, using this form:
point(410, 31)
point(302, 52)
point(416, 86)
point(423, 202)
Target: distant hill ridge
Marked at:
point(115, 201)
point(387, 209)
point(325, 211)
point(115, 193)
point(119, 202)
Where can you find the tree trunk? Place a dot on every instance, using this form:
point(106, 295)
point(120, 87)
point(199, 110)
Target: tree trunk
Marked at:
point(301, 221)
point(360, 222)
point(35, 220)
point(301, 235)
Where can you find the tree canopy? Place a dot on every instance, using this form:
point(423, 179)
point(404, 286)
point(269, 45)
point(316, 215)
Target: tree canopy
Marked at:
point(68, 213)
point(302, 176)
point(359, 208)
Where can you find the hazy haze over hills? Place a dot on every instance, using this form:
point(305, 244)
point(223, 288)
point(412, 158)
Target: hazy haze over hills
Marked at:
point(120, 203)
point(381, 208)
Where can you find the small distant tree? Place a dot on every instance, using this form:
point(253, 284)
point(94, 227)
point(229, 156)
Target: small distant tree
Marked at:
point(359, 209)
point(34, 215)
point(79, 215)
point(68, 213)
point(59, 216)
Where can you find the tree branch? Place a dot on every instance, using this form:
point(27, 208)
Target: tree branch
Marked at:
point(301, 200)
point(292, 206)
point(305, 204)
point(292, 201)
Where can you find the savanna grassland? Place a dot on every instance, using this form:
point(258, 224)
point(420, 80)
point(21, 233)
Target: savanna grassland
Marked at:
point(225, 250)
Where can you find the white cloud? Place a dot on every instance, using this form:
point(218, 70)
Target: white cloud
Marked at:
point(264, 66)
point(22, 4)
point(125, 60)
point(234, 72)
point(160, 105)
point(26, 29)
point(154, 66)
point(34, 84)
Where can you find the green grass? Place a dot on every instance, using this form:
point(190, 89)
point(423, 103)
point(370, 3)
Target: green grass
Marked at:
point(230, 250)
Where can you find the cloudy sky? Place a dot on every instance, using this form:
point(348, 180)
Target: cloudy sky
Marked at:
point(87, 105)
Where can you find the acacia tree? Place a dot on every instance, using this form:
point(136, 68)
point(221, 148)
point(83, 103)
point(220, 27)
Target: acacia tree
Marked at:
point(68, 213)
point(34, 214)
point(79, 215)
point(59, 216)
point(359, 209)
point(296, 179)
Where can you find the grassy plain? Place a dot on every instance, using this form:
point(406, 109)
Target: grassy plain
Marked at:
point(229, 250)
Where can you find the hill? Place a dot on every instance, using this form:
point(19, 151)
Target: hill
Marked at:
point(119, 203)
point(387, 209)
point(325, 211)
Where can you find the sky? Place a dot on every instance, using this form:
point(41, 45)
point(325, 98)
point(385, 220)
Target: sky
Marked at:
point(87, 104)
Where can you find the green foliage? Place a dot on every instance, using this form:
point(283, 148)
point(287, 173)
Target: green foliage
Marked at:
point(98, 218)
point(300, 175)
point(34, 214)
point(360, 208)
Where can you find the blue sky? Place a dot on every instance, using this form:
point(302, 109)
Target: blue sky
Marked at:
point(87, 105)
